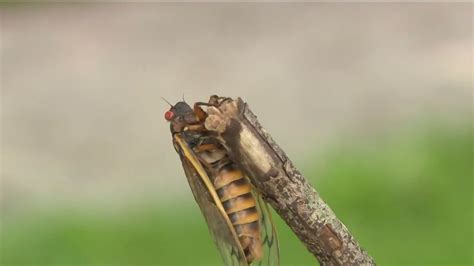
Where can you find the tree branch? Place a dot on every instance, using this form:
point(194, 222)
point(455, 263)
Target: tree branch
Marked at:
point(283, 186)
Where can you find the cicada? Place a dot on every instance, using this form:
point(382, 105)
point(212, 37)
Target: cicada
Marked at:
point(237, 217)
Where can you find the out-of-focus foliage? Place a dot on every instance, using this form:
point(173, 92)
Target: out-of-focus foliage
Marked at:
point(407, 198)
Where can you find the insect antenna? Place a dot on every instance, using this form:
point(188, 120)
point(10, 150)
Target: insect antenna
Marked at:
point(167, 101)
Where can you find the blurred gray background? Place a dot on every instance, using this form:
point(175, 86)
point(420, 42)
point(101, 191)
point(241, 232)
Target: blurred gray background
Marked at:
point(82, 119)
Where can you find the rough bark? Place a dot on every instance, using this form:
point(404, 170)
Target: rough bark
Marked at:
point(283, 186)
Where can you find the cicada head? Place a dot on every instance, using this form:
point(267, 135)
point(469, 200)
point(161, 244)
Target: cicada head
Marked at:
point(180, 115)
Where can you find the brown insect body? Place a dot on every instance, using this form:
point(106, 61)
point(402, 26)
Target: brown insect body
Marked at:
point(232, 187)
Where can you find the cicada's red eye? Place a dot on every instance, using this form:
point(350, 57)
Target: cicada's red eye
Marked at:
point(169, 115)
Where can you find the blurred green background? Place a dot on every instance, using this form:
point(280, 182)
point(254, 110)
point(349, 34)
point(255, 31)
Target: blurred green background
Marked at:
point(372, 102)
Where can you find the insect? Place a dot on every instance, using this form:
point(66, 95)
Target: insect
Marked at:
point(237, 217)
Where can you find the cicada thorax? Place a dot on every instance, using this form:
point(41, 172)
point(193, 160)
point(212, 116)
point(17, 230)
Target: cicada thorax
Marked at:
point(235, 193)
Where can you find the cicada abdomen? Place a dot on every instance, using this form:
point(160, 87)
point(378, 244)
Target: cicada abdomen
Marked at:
point(235, 194)
point(233, 211)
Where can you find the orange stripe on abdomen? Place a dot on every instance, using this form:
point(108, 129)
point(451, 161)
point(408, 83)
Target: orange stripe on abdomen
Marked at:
point(245, 216)
point(239, 203)
point(234, 189)
point(226, 176)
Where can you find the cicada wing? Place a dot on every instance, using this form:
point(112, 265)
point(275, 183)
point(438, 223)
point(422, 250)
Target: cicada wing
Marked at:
point(218, 222)
point(271, 249)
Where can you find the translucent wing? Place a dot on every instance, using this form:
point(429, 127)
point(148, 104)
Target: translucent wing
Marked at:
point(218, 222)
point(271, 249)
